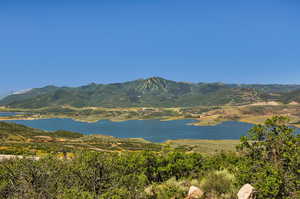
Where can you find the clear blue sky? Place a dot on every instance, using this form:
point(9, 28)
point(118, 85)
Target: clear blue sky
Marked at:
point(77, 42)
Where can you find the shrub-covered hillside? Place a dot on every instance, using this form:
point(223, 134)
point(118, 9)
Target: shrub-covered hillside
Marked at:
point(18, 139)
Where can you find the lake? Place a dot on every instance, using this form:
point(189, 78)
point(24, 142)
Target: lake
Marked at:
point(8, 114)
point(152, 130)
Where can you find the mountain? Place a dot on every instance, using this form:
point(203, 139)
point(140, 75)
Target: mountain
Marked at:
point(5, 94)
point(154, 91)
point(2, 96)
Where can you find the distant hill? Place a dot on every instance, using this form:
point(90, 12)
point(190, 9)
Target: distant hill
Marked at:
point(291, 97)
point(4, 94)
point(154, 92)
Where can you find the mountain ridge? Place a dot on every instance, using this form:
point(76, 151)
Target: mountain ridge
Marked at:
point(153, 91)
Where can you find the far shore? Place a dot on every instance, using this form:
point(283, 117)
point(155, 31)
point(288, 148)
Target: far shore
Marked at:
point(203, 116)
point(198, 122)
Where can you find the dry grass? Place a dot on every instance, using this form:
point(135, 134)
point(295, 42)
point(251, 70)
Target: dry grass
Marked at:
point(205, 146)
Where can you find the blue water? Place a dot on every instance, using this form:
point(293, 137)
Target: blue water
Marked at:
point(8, 114)
point(152, 130)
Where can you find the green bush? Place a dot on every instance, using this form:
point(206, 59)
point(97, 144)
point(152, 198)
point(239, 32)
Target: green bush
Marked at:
point(271, 160)
point(219, 183)
point(169, 189)
point(104, 175)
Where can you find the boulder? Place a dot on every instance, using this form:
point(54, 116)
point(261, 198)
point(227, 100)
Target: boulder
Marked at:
point(246, 192)
point(194, 193)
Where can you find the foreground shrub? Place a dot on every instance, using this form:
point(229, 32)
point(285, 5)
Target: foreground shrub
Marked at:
point(75, 193)
point(96, 175)
point(220, 184)
point(172, 188)
point(271, 160)
point(30, 179)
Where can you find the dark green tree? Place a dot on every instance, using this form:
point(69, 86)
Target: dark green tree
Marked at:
point(271, 161)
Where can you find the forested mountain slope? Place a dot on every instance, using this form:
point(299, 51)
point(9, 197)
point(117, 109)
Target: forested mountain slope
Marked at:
point(155, 91)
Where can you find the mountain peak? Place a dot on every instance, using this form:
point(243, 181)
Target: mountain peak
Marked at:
point(153, 84)
point(156, 78)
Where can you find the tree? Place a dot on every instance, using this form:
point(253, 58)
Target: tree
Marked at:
point(271, 159)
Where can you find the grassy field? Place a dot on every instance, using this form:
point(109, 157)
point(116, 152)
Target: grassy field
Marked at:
point(204, 146)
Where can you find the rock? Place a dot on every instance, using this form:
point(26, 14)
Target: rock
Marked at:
point(195, 193)
point(246, 192)
point(9, 157)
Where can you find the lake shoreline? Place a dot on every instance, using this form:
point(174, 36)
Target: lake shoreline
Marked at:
point(197, 122)
point(203, 115)
point(154, 130)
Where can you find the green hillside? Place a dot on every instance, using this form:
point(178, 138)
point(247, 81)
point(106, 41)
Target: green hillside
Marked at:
point(18, 139)
point(154, 92)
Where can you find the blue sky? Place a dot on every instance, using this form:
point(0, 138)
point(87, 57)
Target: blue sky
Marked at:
point(73, 43)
